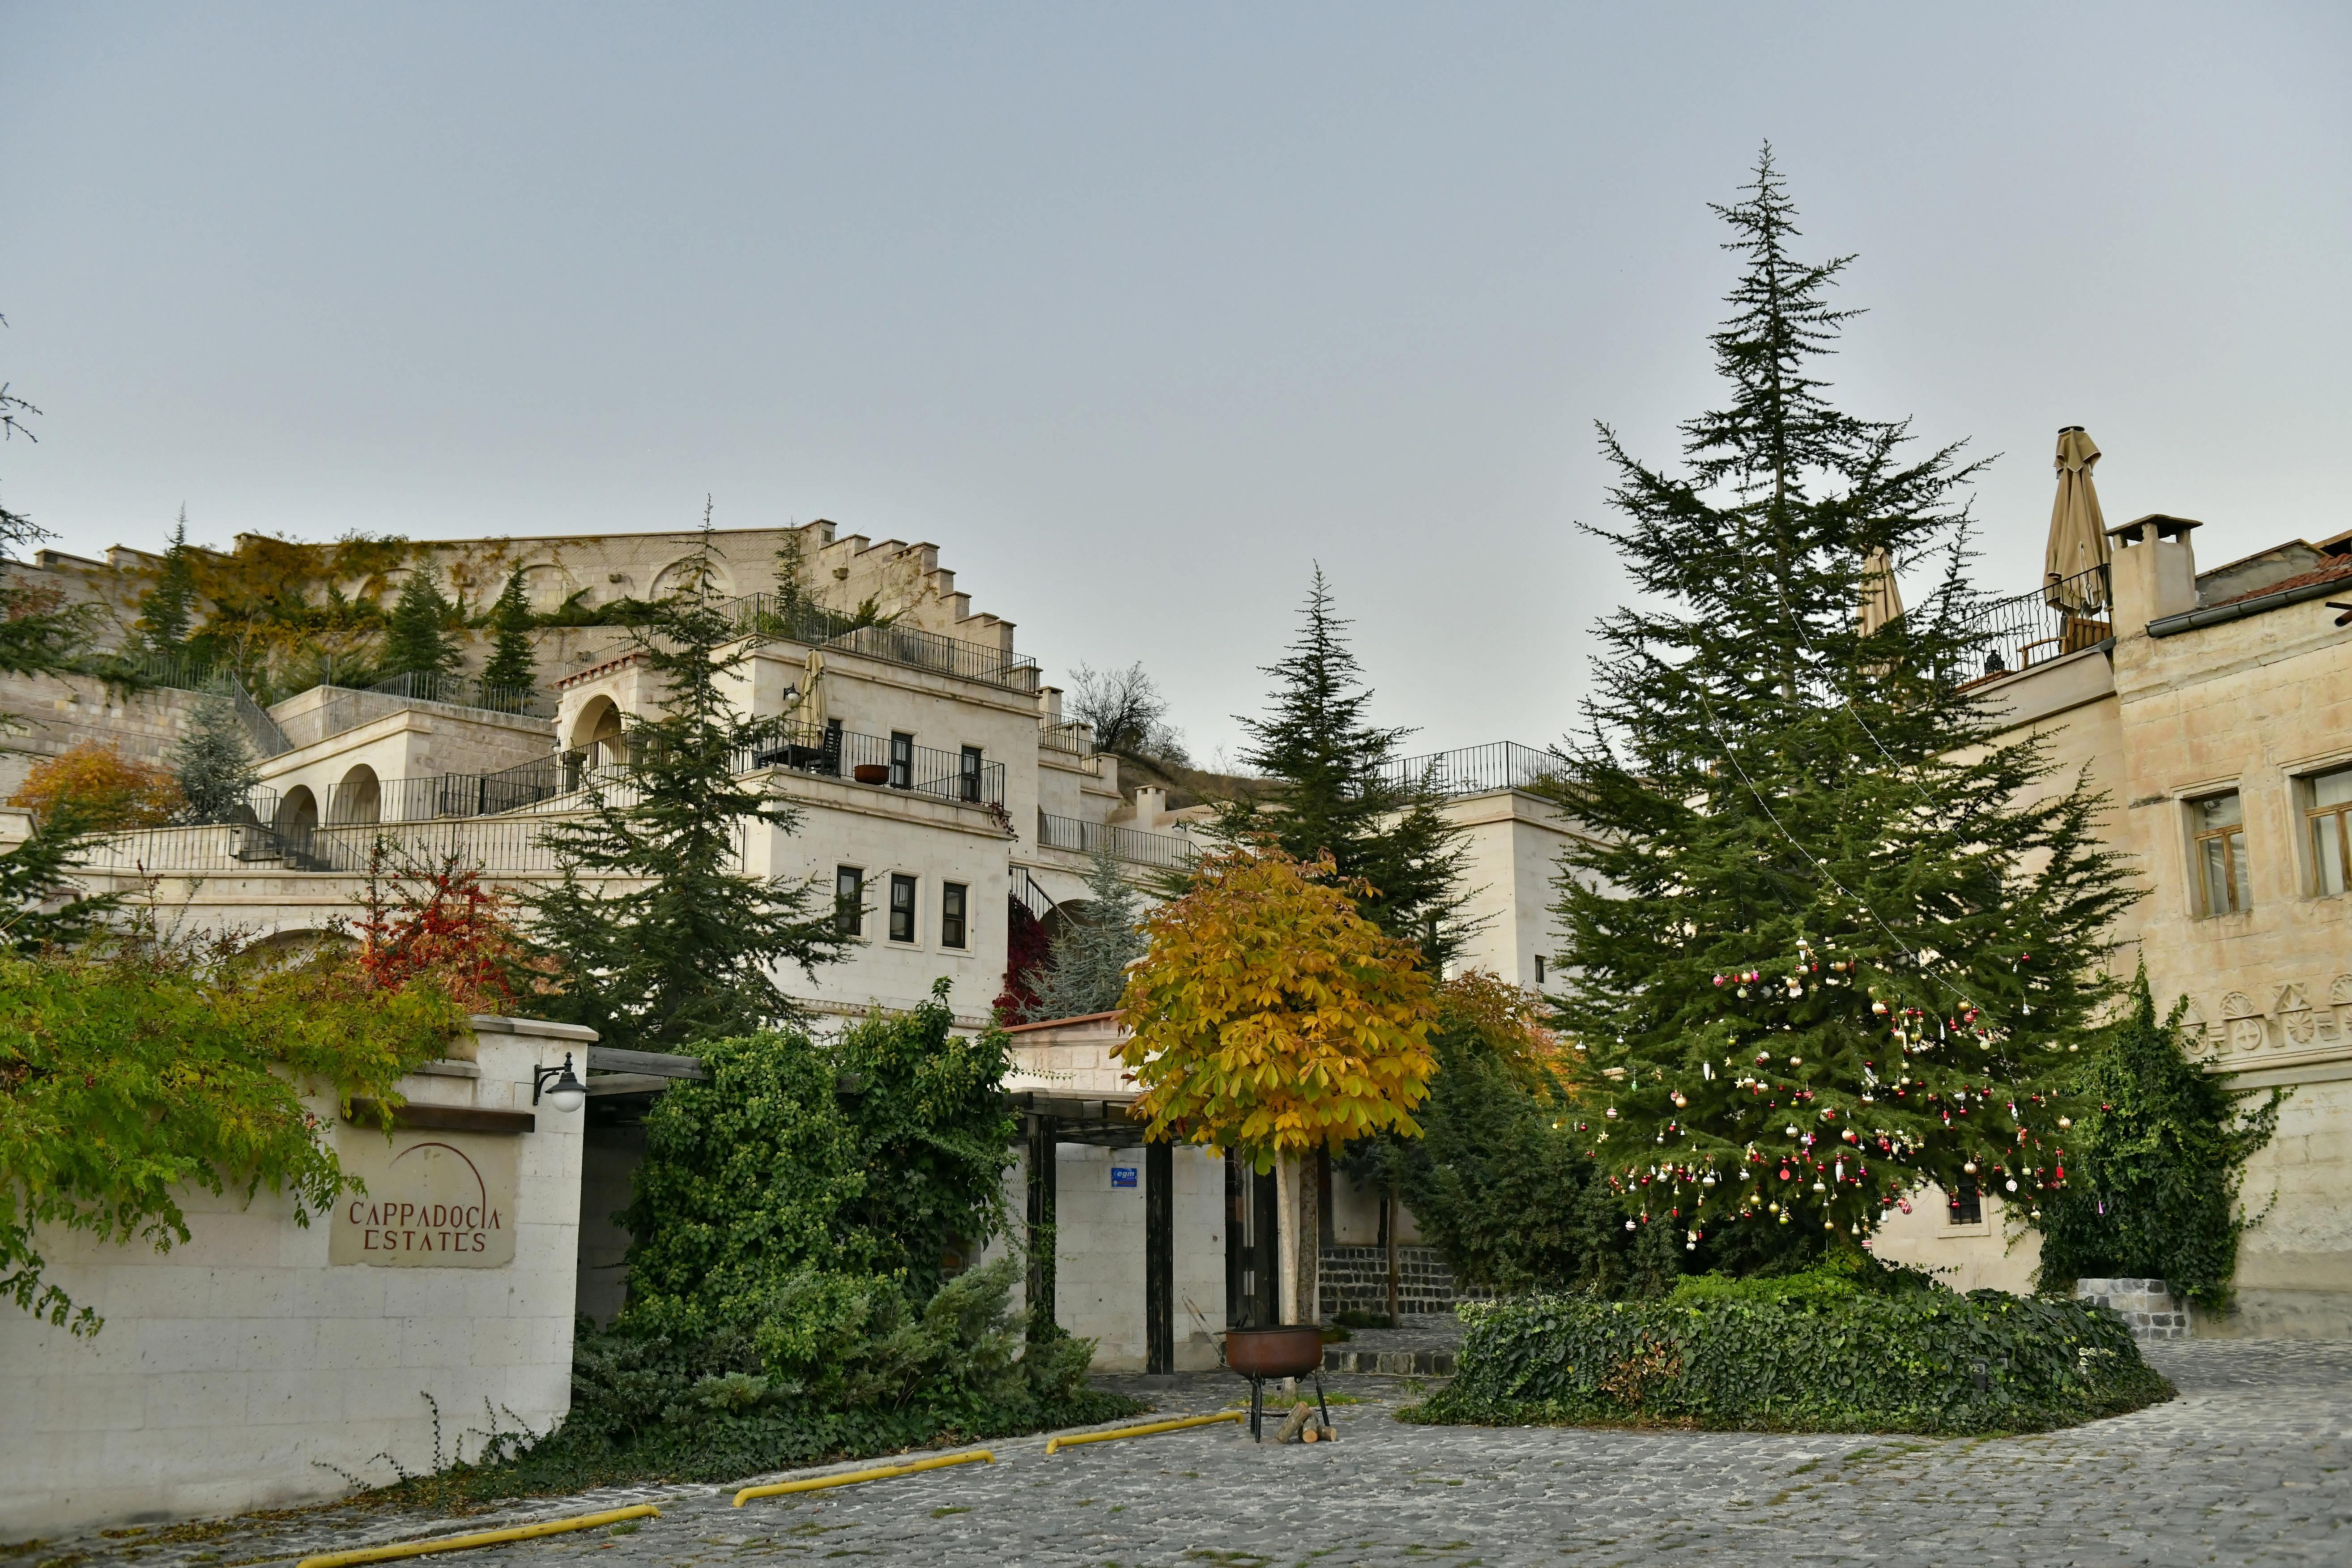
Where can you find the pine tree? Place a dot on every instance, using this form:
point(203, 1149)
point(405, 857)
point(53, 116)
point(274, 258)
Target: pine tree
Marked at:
point(213, 762)
point(1085, 970)
point(1334, 789)
point(1826, 941)
point(39, 635)
point(168, 610)
point(417, 641)
point(685, 948)
point(511, 666)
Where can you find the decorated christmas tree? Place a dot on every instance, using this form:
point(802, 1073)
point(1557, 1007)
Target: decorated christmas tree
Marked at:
point(1828, 940)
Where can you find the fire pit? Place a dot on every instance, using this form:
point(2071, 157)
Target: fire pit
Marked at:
point(1294, 1349)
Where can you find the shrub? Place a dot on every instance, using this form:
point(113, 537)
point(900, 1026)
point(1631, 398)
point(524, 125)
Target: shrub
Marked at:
point(103, 790)
point(2163, 1157)
point(1812, 1352)
point(651, 1406)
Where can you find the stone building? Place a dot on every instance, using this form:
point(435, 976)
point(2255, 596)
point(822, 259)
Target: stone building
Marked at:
point(2214, 710)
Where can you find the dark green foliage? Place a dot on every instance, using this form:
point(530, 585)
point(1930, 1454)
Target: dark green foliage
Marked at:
point(1502, 1187)
point(1085, 967)
point(2163, 1157)
point(167, 611)
point(1770, 791)
point(1334, 787)
point(1811, 1352)
point(798, 1180)
point(652, 1407)
point(39, 908)
point(511, 666)
point(213, 762)
point(690, 953)
point(417, 639)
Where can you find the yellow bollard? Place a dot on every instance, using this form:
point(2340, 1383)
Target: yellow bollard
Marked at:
point(478, 1538)
point(851, 1477)
point(1053, 1444)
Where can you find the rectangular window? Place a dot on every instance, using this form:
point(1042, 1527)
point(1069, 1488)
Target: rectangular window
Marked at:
point(968, 773)
point(2330, 819)
point(833, 747)
point(1539, 969)
point(902, 760)
point(951, 924)
point(1967, 1206)
point(848, 900)
point(902, 909)
point(2219, 824)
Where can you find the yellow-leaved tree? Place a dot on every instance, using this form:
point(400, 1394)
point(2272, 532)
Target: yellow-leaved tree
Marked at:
point(1270, 1017)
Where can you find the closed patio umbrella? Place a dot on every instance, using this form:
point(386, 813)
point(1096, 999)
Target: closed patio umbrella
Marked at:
point(808, 720)
point(2078, 533)
point(1881, 600)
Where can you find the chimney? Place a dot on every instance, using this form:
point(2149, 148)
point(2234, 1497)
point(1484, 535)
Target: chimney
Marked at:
point(2155, 571)
point(1150, 806)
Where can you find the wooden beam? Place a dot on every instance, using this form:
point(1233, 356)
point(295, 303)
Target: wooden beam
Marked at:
point(653, 1064)
point(1159, 1258)
point(445, 1117)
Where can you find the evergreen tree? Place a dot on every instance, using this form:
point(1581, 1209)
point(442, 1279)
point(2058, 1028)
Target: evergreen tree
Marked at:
point(1335, 788)
point(2164, 1154)
point(39, 635)
point(168, 610)
point(511, 664)
point(417, 641)
point(213, 762)
point(1086, 970)
point(1826, 941)
point(683, 947)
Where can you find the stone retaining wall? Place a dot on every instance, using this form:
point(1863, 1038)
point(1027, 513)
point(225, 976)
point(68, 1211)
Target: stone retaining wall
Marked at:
point(2149, 1306)
point(1356, 1278)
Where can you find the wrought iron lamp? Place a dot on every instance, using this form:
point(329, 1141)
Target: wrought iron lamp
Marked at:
point(566, 1094)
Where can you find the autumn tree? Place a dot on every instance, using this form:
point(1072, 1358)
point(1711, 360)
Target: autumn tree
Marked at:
point(431, 917)
point(105, 790)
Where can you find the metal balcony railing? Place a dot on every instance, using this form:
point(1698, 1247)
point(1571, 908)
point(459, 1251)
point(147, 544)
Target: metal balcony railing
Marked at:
point(1473, 770)
point(1073, 739)
point(2063, 616)
point(1130, 844)
point(800, 621)
point(964, 777)
point(466, 692)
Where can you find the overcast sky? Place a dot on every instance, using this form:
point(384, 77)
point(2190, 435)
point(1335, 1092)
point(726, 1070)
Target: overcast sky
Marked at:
point(1138, 312)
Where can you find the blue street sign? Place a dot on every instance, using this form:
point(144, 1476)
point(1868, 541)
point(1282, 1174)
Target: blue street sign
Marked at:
point(1122, 1175)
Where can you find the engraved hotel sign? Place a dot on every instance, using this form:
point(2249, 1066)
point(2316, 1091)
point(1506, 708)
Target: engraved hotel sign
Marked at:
point(435, 1199)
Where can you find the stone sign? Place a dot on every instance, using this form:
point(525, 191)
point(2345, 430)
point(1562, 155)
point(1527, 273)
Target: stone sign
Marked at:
point(435, 1199)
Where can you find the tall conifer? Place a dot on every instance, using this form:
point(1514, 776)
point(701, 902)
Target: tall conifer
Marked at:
point(168, 610)
point(1086, 968)
point(417, 641)
point(1826, 940)
point(681, 945)
point(1335, 788)
point(511, 666)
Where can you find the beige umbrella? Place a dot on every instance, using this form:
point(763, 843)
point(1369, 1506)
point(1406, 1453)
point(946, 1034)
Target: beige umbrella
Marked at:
point(1882, 599)
point(2078, 533)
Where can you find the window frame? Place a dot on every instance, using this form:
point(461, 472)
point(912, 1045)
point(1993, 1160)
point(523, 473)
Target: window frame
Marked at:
point(1965, 1208)
point(901, 881)
point(955, 915)
point(902, 760)
point(849, 914)
point(2237, 879)
point(967, 769)
point(2317, 820)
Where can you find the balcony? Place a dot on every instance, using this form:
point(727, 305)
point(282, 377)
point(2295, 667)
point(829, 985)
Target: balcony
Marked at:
point(962, 777)
point(1130, 844)
point(1473, 770)
point(2061, 617)
point(797, 620)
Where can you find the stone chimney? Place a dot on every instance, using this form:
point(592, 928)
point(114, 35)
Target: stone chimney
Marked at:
point(1150, 806)
point(2155, 571)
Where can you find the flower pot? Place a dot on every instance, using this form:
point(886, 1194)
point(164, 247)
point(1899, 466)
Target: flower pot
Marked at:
point(872, 772)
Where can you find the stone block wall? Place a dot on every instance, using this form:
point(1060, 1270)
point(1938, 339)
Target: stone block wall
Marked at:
point(2149, 1306)
point(1356, 1278)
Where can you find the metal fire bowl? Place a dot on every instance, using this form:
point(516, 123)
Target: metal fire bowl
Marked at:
point(1292, 1351)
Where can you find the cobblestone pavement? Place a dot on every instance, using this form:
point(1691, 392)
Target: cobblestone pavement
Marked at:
point(2252, 1464)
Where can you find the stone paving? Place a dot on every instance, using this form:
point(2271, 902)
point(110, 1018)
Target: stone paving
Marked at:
point(2252, 1464)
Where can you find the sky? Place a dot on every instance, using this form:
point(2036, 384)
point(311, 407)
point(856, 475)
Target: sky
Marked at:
point(1140, 313)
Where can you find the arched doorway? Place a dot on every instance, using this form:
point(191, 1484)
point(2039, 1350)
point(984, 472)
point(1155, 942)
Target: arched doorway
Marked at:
point(599, 734)
point(358, 799)
point(298, 814)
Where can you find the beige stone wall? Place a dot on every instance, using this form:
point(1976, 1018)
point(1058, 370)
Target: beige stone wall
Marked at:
point(234, 1371)
point(61, 712)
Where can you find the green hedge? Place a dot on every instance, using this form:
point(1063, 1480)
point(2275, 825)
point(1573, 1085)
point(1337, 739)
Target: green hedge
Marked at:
point(1800, 1354)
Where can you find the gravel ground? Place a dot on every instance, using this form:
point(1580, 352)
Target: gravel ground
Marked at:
point(2252, 1464)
